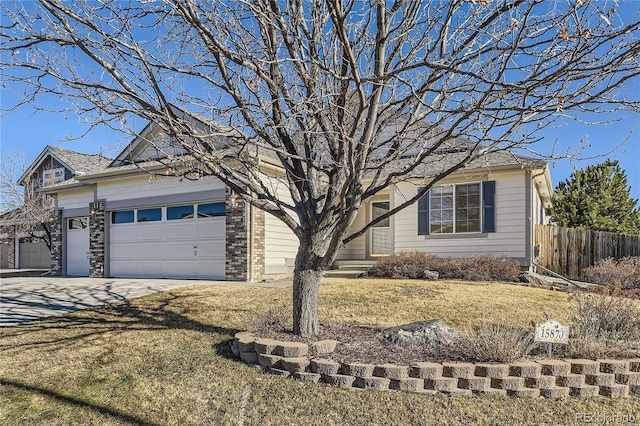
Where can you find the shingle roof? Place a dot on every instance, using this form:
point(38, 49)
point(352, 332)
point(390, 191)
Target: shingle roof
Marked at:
point(81, 163)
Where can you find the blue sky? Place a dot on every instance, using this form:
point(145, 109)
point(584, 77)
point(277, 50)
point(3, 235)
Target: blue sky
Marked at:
point(30, 131)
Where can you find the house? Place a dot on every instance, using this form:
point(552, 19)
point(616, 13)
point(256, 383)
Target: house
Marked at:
point(128, 218)
point(23, 231)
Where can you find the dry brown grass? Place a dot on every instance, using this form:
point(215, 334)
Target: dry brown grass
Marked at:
point(165, 360)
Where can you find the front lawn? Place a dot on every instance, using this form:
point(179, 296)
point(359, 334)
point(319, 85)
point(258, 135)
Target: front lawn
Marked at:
point(164, 359)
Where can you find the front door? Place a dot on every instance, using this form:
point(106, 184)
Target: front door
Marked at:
point(380, 239)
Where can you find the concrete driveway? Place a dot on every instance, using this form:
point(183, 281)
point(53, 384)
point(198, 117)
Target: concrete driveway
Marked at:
point(28, 298)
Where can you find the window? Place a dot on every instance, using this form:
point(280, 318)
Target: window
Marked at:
point(457, 209)
point(150, 215)
point(53, 176)
point(211, 210)
point(180, 212)
point(125, 216)
point(78, 223)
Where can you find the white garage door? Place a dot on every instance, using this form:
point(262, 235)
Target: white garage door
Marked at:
point(186, 241)
point(78, 246)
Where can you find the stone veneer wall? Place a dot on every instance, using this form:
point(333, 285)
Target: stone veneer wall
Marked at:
point(11, 252)
point(257, 262)
point(237, 240)
point(546, 378)
point(56, 225)
point(96, 239)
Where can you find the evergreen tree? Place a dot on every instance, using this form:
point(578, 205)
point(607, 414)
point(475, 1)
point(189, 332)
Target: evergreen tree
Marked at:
point(596, 198)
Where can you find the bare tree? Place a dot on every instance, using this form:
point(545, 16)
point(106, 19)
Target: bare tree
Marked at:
point(24, 211)
point(347, 97)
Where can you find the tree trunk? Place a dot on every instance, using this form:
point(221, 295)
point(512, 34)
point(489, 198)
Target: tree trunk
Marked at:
point(306, 283)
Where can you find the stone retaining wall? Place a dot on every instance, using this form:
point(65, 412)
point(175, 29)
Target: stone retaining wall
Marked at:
point(547, 378)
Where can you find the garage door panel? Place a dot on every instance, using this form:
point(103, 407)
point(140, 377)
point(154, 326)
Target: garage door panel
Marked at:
point(211, 229)
point(180, 231)
point(149, 251)
point(186, 248)
point(150, 269)
point(123, 233)
point(210, 249)
point(147, 232)
point(211, 269)
point(123, 251)
point(182, 250)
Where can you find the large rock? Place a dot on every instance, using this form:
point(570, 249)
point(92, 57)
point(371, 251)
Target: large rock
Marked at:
point(431, 334)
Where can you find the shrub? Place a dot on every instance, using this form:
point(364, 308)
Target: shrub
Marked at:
point(603, 326)
point(494, 343)
point(621, 278)
point(412, 264)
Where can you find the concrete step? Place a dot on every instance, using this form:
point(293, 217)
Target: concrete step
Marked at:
point(360, 268)
point(336, 273)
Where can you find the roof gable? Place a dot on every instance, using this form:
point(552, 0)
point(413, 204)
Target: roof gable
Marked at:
point(74, 162)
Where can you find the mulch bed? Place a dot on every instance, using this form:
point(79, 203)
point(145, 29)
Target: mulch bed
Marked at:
point(362, 344)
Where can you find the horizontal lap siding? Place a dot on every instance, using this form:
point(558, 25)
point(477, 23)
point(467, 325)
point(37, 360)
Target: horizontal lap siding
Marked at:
point(75, 199)
point(147, 186)
point(356, 249)
point(281, 244)
point(509, 238)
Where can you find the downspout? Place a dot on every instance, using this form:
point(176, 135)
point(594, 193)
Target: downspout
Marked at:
point(251, 241)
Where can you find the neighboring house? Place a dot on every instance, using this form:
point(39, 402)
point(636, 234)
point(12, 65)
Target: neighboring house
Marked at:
point(23, 231)
point(127, 219)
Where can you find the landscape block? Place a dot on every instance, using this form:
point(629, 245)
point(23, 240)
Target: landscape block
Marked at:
point(391, 371)
point(279, 372)
point(373, 383)
point(525, 369)
point(508, 383)
point(614, 391)
point(357, 369)
point(292, 349)
point(441, 384)
point(554, 367)
point(584, 366)
point(475, 384)
point(459, 370)
point(407, 384)
point(584, 391)
point(269, 361)
point(629, 379)
point(323, 347)
point(554, 392)
point(570, 380)
point(266, 346)
point(295, 365)
point(634, 365)
point(600, 379)
point(492, 370)
point(249, 357)
point(426, 370)
point(245, 342)
point(324, 366)
point(614, 366)
point(338, 380)
point(309, 377)
point(540, 382)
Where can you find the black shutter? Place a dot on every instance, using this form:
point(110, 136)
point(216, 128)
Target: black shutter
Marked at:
point(423, 213)
point(489, 206)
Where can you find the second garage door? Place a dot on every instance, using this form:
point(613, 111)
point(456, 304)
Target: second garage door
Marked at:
point(185, 241)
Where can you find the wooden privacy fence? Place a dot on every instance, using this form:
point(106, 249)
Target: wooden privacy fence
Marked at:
point(567, 251)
